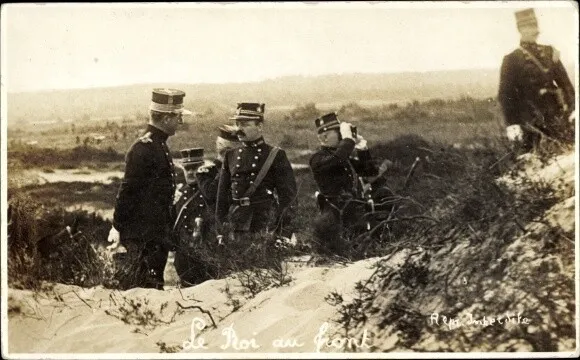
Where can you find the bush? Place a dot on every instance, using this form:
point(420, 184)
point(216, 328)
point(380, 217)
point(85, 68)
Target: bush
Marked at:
point(458, 264)
point(41, 248)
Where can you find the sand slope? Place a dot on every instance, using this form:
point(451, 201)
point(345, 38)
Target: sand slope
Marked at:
point(69, 319)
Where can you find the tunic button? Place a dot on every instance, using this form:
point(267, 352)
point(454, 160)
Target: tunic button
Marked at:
point(259, 150)
point(239, 157)
point(238, 165)
point(253, 174)
point(253, 165)
point(240, 150)
point(200, 205)
point(184, 216)
point(255, 157)
point(186, 226)
point(251, 182)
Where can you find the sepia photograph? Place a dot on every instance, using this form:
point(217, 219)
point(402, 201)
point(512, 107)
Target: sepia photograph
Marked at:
point(289, 180)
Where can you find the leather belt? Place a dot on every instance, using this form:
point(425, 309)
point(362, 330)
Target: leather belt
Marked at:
point(245, 201)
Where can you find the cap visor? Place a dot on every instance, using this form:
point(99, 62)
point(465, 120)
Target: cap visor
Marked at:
point(185, 112)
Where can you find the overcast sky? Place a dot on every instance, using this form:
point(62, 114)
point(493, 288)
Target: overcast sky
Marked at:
point(78, 46)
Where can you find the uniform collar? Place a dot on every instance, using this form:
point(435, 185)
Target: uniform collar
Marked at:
point(528, 45)
point(156, 133)
point(254, 143)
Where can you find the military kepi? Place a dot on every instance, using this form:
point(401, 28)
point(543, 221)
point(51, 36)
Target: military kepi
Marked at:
point(249, 111)
point(327, 122)
point(191, 156)
point(168, 101)
point(525, 18)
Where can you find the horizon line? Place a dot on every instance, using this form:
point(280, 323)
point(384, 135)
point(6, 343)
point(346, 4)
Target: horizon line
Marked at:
point(249, 81)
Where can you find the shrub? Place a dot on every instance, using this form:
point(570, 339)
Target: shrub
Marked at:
point(458, 263)
point(51, 244)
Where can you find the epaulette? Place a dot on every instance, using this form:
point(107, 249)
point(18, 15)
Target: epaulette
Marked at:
point(555, 55)
point(146, 138)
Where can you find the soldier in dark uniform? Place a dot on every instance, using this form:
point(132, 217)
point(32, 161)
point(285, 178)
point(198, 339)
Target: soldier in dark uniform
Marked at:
point(276, 192)
point(535, 89)
point(337, 166)
point(196, 256)
point(193, 227)
point(144, 211)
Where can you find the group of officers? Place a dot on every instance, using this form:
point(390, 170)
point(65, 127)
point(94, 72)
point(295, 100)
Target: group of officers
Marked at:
point(250, 189)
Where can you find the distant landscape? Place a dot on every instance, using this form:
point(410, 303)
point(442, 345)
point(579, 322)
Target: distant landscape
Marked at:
point(326, 91)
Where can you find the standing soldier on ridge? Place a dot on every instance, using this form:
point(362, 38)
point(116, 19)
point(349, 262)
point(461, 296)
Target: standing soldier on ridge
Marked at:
point(249, 177)
point(535, 91)
point(144, 211)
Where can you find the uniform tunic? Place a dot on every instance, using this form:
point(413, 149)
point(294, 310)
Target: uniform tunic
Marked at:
point(337, 173)
point(208, 179)
point(527, 92)
point(194, 229)
point(239, 170)
point(144, 209)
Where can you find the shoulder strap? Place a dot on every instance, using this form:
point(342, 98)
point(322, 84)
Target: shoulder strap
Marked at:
point(535, 60)
point(183, 207)
point(263, 171)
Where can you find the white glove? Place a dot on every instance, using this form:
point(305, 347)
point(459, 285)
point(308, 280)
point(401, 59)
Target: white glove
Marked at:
point(572, 116)
point(345, 131)
point(514, 133)
point(177, 193)
point(361, 143)
point(385, 165)
point(114, 238)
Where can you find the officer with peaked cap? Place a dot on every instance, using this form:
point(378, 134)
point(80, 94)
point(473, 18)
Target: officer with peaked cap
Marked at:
point(337, 166)
point(208, 174)
point(194, 224)
point(535, 91)
point(144, 211)
point(245, 198)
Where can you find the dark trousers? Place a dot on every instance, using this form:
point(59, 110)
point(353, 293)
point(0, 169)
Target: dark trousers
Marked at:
point(255, 218)
point(335, 225)
point(143, 264)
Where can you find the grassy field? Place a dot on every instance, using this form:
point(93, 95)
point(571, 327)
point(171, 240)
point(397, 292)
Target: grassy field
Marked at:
point(395, 132)
point(459, 121)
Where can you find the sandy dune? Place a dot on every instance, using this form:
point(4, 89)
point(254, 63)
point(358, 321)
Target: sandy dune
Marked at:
point(69, 319)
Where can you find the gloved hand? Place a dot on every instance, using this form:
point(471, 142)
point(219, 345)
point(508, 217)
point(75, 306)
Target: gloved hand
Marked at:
point(360, 143)
point(177, 193)
point(345, 130)
point(514, 133)
point(114, 238)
